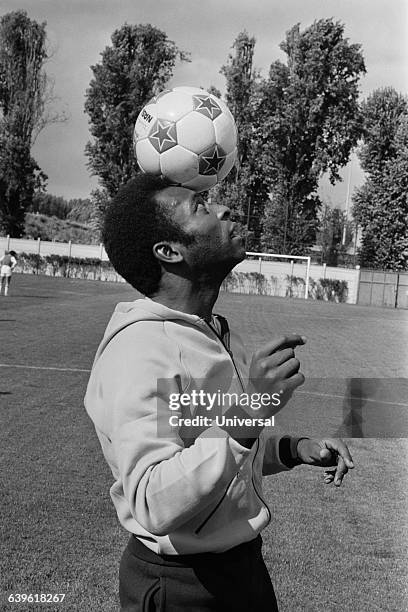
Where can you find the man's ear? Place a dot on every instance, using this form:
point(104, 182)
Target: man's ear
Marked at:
point(167, 252)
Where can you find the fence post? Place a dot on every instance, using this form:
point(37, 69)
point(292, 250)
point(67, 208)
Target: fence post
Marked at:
point(358, 282)
point(292, 265)
point(324, 270)
point(396, 292)
point(8, 242)
point(307, 278)
point(260, 265)
point(38, 246)
point(68, 272)
point(100, 257)
point(383, 294)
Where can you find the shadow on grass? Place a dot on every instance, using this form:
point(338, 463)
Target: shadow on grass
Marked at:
point(35, 297)
point(353, 406)
point(375, 408)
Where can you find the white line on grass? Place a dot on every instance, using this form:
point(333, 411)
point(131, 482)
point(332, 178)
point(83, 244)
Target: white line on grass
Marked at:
point(352, 397)
point(314, 393)
point(28, 367)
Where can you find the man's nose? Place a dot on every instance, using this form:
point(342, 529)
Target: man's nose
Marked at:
point(223, 212)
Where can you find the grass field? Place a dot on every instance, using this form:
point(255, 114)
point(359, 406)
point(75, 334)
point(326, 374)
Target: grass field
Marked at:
point(331, 550)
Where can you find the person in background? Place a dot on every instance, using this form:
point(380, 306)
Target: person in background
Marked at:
point(8, 262)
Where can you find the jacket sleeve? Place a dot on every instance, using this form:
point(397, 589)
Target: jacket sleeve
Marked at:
point(165, 483)
point(274, 460)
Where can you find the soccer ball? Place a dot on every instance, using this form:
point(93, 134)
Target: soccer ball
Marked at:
point(187, 135)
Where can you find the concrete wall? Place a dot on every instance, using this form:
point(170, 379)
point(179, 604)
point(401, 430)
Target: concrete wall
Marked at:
point(43, 247)
point(275, 272)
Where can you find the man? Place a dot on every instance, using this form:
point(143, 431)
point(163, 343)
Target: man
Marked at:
point(7, 264)
point(189, 489)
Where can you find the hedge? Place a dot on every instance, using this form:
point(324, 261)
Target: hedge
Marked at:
point(67, 267)
point(327, 289)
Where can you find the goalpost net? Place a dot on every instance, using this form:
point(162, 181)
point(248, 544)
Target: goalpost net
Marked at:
point(272, 274)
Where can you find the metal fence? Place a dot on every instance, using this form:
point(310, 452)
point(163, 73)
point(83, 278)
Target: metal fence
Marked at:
point(367, 287)
point(386, 289)
point(44, 247)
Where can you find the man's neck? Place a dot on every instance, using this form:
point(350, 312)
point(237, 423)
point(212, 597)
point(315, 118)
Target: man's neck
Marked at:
point(182, 295)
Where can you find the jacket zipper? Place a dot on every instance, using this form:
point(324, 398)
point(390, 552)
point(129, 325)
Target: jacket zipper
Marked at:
point(255, 489)
point(199, 528)
point(257, 444)
point(229, 353)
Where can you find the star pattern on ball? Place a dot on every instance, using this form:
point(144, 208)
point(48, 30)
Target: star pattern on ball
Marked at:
point(212, 162)
point(206, 106)
point(163, 136)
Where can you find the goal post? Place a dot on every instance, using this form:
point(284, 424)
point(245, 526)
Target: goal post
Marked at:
point(281, 269)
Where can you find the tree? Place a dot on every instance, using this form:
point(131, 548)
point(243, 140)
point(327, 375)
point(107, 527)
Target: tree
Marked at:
point(241, 81)
point(309, 122)
point(50, 205)
point(380, 206)
point(58, 230)
point(99, 202)
point(20, 177)
point(77, 209)
point(332, 223)
point(81, 210)
point(24, 93)
point(245, 189)
point(136, 67)
point(300, 122)
point(381, 113)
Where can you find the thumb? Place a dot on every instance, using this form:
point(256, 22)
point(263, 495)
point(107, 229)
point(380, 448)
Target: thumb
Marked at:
point(325, 455)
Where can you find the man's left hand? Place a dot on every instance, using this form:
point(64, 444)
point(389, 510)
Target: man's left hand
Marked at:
point(326, 453)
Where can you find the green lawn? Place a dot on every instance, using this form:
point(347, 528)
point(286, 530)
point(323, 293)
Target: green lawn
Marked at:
point(327, 549)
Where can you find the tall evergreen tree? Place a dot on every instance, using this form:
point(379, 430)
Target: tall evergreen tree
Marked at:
point(333, 226)
point(245, 189)
point(136, 66)
point(310, 121)
point(381, 204)
point(23, 97)
point(300, 122)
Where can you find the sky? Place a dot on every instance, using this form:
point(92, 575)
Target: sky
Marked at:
point(79, 30)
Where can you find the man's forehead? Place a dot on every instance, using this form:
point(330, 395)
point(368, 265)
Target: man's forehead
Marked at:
point(175, 196)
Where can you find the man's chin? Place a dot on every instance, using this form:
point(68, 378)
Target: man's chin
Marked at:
point(239, 244)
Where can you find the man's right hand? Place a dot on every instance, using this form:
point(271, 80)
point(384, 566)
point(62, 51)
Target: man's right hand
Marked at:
point(275, 370)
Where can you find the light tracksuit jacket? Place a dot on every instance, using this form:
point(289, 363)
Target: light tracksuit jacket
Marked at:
point(180, 491)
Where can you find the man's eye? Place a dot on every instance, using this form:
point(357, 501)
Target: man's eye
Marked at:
point(201, 205)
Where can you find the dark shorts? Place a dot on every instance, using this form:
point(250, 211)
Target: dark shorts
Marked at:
point(233, 581)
